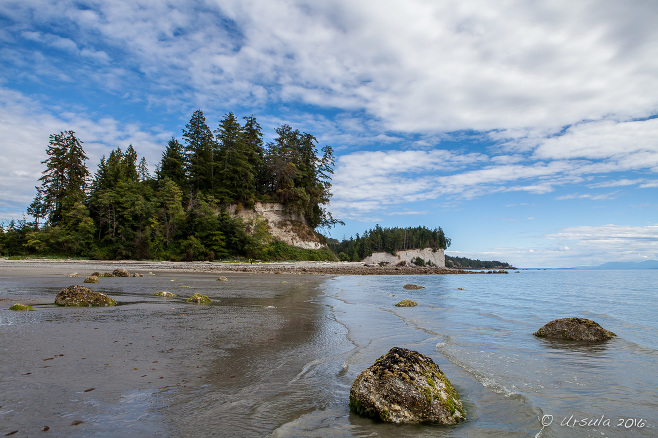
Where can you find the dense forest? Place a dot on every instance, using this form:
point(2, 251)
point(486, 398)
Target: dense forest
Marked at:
point(123, 211)
point(389, 240)
point(466, 263)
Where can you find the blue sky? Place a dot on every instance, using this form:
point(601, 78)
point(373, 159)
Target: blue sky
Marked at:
point(527, 130)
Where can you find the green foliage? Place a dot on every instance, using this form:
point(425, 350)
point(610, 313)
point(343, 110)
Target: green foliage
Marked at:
point(64, 181)
point(466, 263)
point(180, 214)
point(389, 240)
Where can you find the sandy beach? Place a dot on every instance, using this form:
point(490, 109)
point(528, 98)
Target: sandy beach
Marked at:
point(86, 267)
point(136, 368)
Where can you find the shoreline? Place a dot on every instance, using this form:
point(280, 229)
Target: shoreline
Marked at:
point(297, 267)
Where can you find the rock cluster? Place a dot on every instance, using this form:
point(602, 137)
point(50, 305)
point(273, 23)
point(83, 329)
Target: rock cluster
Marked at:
point(405, 386)
point(91, 279)
point(574, 329)
point(82, 296)
point(406, 303)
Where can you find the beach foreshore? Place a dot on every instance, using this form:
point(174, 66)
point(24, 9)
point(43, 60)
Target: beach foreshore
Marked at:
point(86, 267)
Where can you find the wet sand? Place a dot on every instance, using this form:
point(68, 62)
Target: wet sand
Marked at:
point(137, 368)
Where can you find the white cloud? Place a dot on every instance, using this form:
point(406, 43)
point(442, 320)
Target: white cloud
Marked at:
point(604, 139)
point(472, 64)
point(25, 127)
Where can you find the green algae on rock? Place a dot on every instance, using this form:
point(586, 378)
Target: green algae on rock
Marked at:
point(164, 294)
point(20, 307)
point(83, 297)
point(574, 329)
point(413, 287)
point(198, 298)
point(406, 303)
point(405, 386)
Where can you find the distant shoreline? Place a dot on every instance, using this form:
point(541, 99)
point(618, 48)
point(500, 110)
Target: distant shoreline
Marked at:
point(86, 267)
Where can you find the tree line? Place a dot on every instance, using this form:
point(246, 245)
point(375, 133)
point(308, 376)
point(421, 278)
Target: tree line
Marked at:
point(180, 212)
point(389, 240)
point(466, 263)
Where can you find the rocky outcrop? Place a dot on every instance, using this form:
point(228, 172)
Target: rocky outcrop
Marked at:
point(431, 257)
point(282, 224)
point(406, 303)
point(82, 296)
point(120, 272)
point(574, 329)
point(405, 386)
point(198, 298)
point(91, 279)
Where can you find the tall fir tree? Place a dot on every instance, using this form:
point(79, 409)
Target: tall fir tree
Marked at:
point(172, 164)
point(199, 149)
point(64, 181)
point(235, 175)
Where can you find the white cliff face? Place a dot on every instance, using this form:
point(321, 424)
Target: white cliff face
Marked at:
point(437, 257)
point(288, 227)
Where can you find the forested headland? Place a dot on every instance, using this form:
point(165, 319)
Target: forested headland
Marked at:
point(179, 213)
point(388, 240)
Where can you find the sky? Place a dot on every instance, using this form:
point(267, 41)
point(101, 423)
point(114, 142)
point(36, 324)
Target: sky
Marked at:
point(526, 130)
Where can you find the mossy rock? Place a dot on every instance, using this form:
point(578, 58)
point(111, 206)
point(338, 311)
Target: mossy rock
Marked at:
point(406, 303)
point(82, 297)
point(574, 329)
point(405, 386)
point(91, 279)
point(20, 307)
point(198, 298)
point(120, 272)
point(73, 275)
point(222, 278)
point(413, 287)
point(164, 294)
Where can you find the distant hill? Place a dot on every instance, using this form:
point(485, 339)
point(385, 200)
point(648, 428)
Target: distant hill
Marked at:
point(647, 264)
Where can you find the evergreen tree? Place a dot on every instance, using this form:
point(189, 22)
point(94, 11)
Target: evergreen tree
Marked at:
point(172, 165)
point(199, 148)
point(64, 181)
point(237, 154)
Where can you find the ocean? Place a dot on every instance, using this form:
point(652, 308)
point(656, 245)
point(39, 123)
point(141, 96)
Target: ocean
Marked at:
point(276, 355)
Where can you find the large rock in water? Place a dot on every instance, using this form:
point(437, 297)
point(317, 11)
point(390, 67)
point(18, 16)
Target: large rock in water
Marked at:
point(574, 329)
point(405, 386)
point(82, 296)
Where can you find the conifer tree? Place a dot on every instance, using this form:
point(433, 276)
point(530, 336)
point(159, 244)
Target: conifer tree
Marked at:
point(199, 148)
point(64, 181)
point(172, 165)
point(235, 175)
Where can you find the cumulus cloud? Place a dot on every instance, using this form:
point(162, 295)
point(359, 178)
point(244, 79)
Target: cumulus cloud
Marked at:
point(415, 66)
point(25, 127)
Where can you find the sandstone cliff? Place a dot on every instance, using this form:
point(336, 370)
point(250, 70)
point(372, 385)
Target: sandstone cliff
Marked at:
point(284, 225)
point(437, 258)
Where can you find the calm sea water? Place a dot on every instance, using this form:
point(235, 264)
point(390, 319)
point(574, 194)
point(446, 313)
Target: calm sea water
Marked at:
point(478, 328)
point(277, 355)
